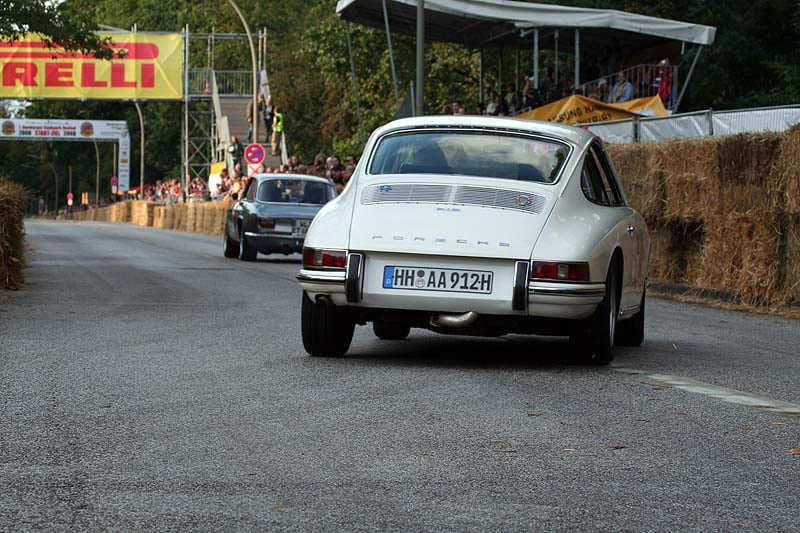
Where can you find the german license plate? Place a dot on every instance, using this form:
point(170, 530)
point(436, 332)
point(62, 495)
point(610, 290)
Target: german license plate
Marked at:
point(438, 279)
point(301, 226)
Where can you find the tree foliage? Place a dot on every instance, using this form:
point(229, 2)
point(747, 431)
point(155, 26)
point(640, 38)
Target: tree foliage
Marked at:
point(55, 22)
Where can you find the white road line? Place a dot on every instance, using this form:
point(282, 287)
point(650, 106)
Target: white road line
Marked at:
point(720, 393)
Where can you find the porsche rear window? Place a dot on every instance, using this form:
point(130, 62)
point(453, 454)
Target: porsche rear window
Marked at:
point(295, 191)
point(482, 154)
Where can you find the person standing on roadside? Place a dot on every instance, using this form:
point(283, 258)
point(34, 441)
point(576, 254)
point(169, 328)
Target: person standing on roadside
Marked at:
point(269, 116)
point(236, 150)
point(253, 116)
point(277, 130)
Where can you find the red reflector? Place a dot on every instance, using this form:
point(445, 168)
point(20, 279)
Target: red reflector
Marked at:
point(308, 256)
point(560, 271)
point(266, 222)
point(314, 257)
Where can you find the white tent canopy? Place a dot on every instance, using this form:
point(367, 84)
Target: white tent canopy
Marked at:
point(488, 23)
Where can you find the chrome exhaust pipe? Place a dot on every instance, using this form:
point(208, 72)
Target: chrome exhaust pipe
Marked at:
point(454, 321)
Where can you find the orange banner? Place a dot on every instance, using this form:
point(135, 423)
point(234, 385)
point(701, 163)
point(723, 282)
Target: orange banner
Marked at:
point(582, 110)
point(151, 68)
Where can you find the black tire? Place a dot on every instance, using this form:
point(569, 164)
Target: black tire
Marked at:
point(630, 332)
point(390, 331)
point(327, 329)
point(230, 248)
point(248, 252)
point(594, 341)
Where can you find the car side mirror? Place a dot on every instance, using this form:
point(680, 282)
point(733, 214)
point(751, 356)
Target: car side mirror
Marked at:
point(235, 196)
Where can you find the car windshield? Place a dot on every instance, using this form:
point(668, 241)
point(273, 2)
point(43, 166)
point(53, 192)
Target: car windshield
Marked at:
point(295, 191)
point(483, 154)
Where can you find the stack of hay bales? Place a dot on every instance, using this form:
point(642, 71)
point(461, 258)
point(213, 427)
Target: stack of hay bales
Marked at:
point(142, 213)
point(12, 246)
point(214, 221)
point(722, 211)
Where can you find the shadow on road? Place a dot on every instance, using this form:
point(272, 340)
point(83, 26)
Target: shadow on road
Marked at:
point(512, 351)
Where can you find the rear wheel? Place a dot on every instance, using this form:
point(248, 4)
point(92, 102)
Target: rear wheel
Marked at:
point(248, 252)
point(327, 329)
point(594, 341)
point(631, 332)
point(230, 248)
point(390, 331)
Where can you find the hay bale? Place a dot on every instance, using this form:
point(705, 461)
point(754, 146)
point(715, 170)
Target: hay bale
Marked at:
point(158, 216)
point(200, 217)
point(747, 177)
point(181, 216)
point(691, 170)
point(787, 170)
point(191, 217)
point(169, 217)
point(642, 178)
point(13, 200)
point(741, 255)
point(674, 247)
point(791, 261)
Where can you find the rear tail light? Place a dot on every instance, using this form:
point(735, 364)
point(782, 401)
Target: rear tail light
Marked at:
point(266, 222)
point(319, 258)
point(553, 270)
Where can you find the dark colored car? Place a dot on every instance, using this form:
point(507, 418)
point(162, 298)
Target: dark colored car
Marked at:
point(273, 214)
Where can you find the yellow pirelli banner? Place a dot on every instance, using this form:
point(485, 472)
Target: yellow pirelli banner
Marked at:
point(150, 68)
point(582, 110)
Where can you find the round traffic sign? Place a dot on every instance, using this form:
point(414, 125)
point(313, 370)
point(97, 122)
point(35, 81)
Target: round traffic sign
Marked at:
point(70, 196)
point(254, 153)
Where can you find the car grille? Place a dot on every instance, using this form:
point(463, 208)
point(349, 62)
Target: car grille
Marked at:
point(417, 193)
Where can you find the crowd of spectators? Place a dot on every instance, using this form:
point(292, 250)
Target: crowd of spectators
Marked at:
point(164, 191)
point(613, 81)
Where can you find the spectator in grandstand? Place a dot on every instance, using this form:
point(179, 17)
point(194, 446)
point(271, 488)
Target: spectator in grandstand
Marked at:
point(530, 95)
point(277, 130)
point(293, 162)
point(319, 165)
point(236, 150)
point(269, 116)
point(511, 98)
point(351, 159)
point(460, 110)
point(664, 81)
point(552, 88)
point(454, 106)
point(622, 90)
point(491, 102)
point(447, 110)
point(501, 109)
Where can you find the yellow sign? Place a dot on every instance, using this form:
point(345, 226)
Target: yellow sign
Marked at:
point(151, 68)
point(582, 110)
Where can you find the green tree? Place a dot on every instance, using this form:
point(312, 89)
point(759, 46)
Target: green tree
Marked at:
point(55, 22)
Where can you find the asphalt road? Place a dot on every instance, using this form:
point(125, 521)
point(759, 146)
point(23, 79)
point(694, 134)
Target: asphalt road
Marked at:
point(148, 383)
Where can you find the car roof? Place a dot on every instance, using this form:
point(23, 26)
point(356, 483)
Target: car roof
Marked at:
point(573, 134)
point(306, 177)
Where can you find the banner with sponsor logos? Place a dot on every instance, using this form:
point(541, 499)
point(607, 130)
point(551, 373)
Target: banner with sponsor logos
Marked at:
point(151, 68)
point(582, 110)
point(32, 129)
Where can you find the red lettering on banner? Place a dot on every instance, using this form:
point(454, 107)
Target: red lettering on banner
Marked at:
point(148, 77)
point(25, 73)
point(58, 75)
point(88, 78)
point(118, 76)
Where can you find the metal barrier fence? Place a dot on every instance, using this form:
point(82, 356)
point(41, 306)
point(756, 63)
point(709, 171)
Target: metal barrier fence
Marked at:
point(697, 124)
point(229, 82)
point(645, 81)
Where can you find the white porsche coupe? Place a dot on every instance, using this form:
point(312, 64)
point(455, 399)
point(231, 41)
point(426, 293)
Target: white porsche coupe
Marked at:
point(478, 226)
